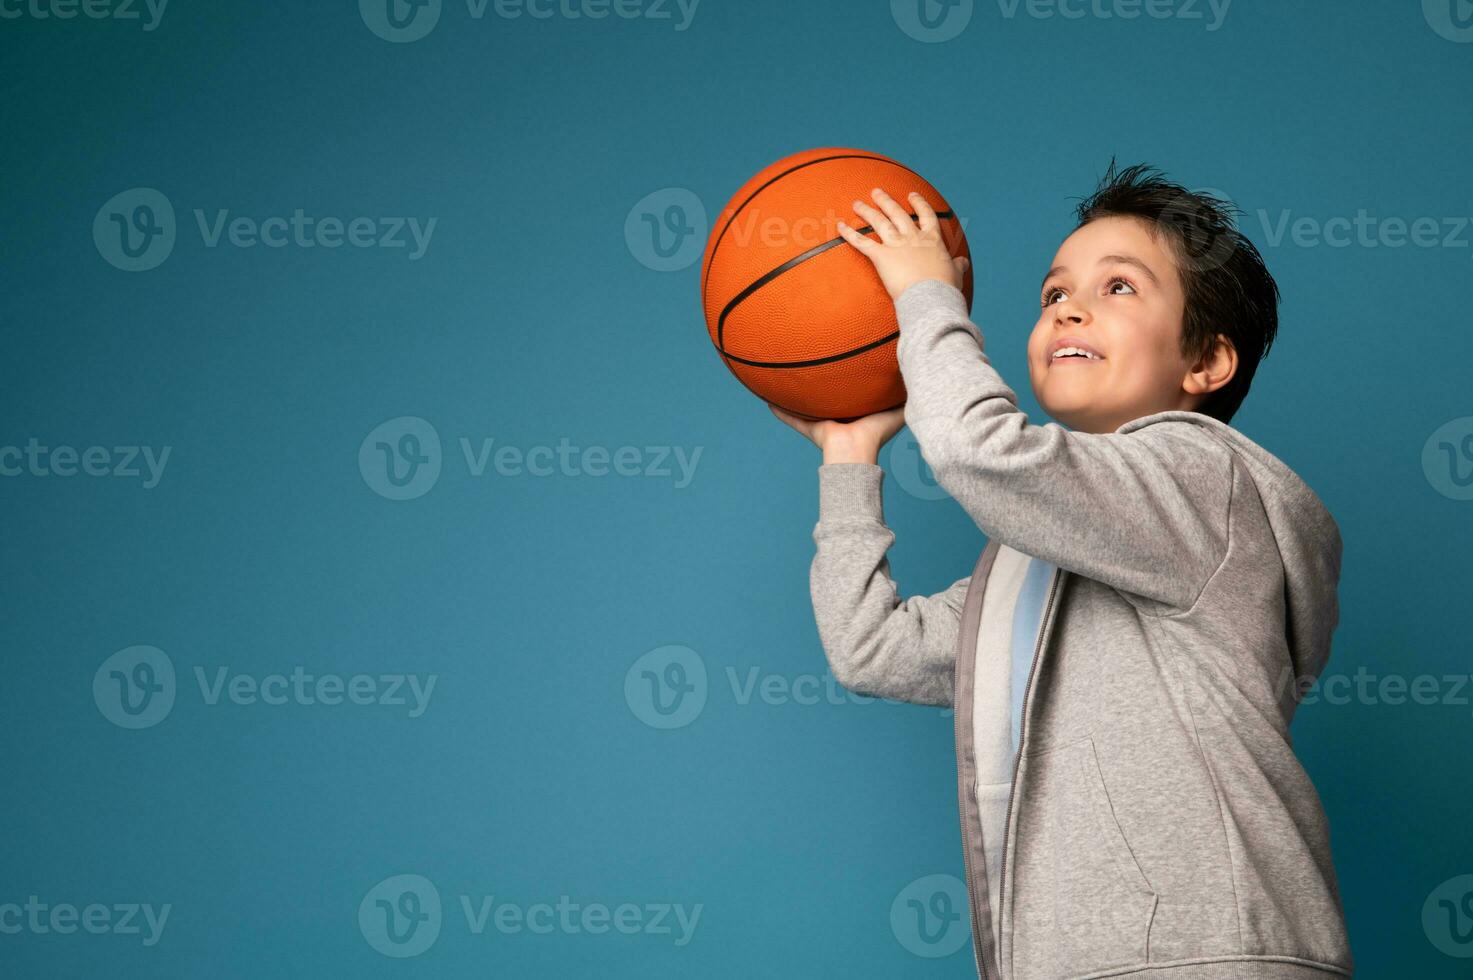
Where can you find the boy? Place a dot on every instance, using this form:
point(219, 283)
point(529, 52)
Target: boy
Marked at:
point(1119, 659)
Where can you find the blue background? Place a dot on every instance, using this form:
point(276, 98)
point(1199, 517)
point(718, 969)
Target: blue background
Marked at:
point(531, 318)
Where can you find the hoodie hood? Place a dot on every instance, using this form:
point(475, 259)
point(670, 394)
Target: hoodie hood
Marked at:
point(1309, 544)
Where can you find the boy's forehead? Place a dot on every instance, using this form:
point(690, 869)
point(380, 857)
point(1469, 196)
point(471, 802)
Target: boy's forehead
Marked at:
point(1113, 235)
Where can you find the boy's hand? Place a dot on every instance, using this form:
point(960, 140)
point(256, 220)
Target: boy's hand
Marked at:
point(848, 442)
point(907, 252)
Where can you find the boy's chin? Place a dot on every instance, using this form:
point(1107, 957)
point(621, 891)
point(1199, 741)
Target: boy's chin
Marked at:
point(1072, 413)
point(1055, 398)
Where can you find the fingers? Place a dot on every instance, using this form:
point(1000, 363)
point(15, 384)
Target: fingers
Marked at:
point(865, 244)
point(879, 221)
point(925, 213)
point(801, 425)
point(900, 218)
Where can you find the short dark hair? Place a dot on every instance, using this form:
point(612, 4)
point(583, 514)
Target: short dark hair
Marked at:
point(1228, 289)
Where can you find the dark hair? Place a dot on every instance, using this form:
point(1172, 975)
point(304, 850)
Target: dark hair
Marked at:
point(1228, 290)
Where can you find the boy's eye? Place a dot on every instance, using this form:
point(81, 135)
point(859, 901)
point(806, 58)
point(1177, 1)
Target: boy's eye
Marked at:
point(1048, 294)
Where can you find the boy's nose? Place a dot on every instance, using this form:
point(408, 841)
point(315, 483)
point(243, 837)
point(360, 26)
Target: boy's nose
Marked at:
point(1070, 312)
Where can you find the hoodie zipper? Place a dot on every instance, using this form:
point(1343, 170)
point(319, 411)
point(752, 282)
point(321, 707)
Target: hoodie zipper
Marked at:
point(967, 803)
point(1002, 872)
point(970, 871)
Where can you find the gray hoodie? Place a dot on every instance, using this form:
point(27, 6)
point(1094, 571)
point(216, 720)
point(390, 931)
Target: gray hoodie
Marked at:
point(1161, 825)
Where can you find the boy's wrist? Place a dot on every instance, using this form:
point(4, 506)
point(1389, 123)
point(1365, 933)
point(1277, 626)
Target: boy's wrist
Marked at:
point(850, 451)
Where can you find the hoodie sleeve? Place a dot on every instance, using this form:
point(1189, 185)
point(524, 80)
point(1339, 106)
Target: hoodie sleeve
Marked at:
point(876, 642)
point(1145, 512)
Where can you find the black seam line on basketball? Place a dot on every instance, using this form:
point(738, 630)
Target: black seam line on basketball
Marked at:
point(817, 360)
point(740, 207)
point(837, 156)
point(772, 274)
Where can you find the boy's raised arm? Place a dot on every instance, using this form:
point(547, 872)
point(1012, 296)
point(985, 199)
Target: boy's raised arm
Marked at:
point(1144, 512)
point(876, 643)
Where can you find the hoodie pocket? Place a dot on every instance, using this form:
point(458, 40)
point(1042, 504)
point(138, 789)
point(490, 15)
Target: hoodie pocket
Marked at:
point(1176, 929)
point(1111, 838)
point(1080, 902)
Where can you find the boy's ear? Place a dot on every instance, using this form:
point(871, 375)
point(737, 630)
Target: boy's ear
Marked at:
point(1213, 369)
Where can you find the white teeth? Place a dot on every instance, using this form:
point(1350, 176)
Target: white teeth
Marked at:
point(1062, 351)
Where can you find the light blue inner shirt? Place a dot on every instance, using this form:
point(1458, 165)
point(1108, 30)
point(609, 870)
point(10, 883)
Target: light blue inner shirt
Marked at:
point(1027, 614)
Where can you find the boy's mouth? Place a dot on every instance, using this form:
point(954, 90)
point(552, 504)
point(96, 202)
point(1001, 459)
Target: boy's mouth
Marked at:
point(1072, 349)
point(1066, 357)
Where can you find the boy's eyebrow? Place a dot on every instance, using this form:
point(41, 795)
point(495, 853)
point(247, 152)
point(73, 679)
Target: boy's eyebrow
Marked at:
point(1126, 259)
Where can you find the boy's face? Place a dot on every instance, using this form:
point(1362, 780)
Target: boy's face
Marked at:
point(1116, 291)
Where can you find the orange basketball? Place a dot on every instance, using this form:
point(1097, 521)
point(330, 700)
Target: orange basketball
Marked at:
point(796, 312)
